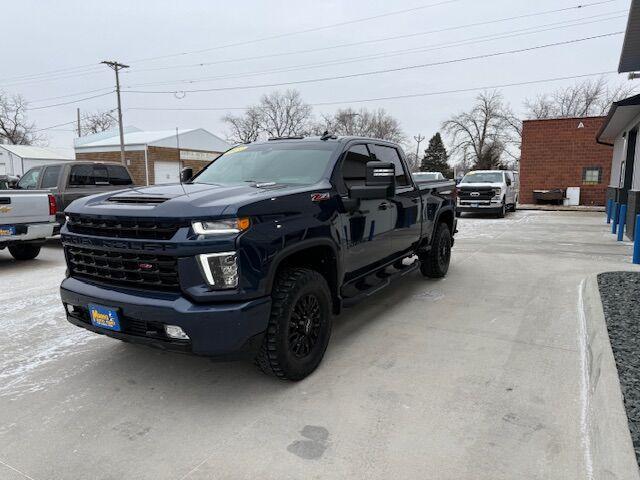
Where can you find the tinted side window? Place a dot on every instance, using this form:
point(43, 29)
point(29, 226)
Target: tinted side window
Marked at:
point(118, 175)
point(354, 165)
point(29, 180)
point(390, 154)
point(50, 177)
point(82, 175)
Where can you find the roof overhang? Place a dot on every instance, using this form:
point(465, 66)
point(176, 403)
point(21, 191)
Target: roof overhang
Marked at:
point(621, 114)
point(630, 56)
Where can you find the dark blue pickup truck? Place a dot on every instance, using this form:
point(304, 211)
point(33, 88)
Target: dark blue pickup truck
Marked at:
point(256, 253)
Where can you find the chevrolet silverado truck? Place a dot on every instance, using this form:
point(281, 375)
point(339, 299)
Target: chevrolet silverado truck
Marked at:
point(488, 191)
point(26, 220)
point(255, 254)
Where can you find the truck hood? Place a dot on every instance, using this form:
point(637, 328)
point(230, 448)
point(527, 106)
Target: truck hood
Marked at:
point(192, 200)
point(471, 186)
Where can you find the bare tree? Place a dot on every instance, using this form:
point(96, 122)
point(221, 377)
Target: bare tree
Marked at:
point(284, 114)
point(483, 134)
point(366, 123)
point(244, 128)
point(97, 122)
point(279, 114)
point(584, 99)
point(14, 126)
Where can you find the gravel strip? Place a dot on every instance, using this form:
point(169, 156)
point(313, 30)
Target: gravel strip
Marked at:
point(620, 293)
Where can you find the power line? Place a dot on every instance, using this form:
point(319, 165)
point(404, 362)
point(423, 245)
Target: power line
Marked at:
point(394, 97)
point(376, 72)
point(52, 127)
point(72, 101)
point(383, 39)
point(58, 71)
point(299, 32)
point(71, 95)
point(392, 53)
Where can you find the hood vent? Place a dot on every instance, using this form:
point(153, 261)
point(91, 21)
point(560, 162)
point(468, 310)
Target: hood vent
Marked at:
point(138, 200)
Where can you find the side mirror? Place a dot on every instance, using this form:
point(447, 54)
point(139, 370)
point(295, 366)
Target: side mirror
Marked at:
point(186, 174)
point(380, 182)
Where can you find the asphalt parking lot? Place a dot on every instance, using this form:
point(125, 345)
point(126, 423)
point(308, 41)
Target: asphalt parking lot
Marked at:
point(474, 376)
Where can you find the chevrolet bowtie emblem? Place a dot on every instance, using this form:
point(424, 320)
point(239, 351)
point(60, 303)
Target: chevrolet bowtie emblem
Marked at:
point(4, 209)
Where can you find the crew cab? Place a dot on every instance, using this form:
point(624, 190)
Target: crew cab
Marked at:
point(26, 220)
point(69, 181)
point(255, 254)
point(488, 191)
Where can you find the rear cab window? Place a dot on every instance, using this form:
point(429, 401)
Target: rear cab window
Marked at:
point(89, 175)
point(29, 180)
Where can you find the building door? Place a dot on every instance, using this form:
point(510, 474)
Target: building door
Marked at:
point(166, 172)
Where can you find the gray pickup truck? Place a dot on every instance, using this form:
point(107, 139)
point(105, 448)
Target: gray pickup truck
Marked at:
point(26, 220)
point(70, 181)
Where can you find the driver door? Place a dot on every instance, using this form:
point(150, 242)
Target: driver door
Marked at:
point(366, 228)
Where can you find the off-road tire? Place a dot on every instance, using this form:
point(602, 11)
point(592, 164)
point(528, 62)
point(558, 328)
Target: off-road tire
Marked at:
point(24, 252)
point(276, 355)
point(434, 263)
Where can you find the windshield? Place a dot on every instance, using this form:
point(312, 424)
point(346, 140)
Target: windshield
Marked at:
point(295, 163)
point(483, 177)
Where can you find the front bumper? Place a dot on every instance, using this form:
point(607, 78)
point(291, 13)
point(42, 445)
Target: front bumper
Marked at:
point(217, 330)
point(492, 206)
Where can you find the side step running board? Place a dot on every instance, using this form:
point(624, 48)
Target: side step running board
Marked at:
point(351, 301)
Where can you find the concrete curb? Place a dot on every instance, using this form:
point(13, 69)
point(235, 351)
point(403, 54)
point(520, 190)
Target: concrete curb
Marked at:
point(609, 450)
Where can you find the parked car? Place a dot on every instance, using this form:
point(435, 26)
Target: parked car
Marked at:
point(26, 220)
point(427, 176)
point(488, 191)
point(69, 181)
point(257, 252)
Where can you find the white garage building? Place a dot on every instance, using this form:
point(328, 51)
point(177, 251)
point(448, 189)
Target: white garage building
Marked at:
point(17, 159)
point(153, 157)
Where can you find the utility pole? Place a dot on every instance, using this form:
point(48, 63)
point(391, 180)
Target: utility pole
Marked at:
point(116, 67)
point(419, 138)
point(78, 119)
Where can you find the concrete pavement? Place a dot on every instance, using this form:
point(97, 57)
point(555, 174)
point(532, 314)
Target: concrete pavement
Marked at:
point(476, 376)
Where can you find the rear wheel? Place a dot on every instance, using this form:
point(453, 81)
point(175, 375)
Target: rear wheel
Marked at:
point(435, 262)
point(299, 327)
point(24, 252)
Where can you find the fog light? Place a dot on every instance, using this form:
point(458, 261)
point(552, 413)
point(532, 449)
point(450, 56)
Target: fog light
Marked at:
point(70, 308)
point(176, 332)
point(220, 269)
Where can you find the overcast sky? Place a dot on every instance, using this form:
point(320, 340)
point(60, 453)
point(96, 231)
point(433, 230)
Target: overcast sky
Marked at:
point(44, 36)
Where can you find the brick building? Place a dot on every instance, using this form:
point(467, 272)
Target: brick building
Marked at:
point(153, 157)
point(563, 152)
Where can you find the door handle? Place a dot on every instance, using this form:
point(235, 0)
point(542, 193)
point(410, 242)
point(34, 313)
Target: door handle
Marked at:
point(383, 206)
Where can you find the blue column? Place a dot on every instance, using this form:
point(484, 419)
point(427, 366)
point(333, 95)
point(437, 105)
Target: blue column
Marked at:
point(614, 220)
point(622, 220)
point(609, 208)
point(636, 242)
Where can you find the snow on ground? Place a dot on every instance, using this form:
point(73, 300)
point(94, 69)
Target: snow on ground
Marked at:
point(33, 327)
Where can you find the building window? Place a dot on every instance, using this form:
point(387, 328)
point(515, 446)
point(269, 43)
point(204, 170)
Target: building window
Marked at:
point(591, 175)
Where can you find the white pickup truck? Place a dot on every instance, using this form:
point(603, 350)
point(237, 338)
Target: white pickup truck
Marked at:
point(27, 218)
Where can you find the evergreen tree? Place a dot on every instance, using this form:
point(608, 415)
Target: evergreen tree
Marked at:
point(435, 157)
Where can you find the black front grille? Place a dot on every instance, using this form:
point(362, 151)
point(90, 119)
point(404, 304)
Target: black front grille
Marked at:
point(483, 194)
point(154, 272)
point(122, 228)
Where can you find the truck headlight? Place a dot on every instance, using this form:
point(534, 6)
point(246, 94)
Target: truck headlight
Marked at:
point(497, 191)
point(220, 269)
point(221, 227)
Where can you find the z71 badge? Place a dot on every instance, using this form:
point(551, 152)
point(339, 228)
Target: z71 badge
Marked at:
point(320, 197)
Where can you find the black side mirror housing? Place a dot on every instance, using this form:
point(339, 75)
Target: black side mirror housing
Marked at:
point(380, 182)
point(186, 174)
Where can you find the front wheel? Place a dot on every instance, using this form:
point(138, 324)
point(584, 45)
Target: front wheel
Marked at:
point(299, 327)
point(435, 262)
point(24, 252)
point(503, 210)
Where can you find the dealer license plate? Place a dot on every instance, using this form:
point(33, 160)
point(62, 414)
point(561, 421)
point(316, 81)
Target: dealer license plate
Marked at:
point(7, 230)
point(104, 317)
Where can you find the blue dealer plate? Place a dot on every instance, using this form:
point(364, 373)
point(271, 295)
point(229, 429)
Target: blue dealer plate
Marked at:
point(104, 317)
point(7, 230)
